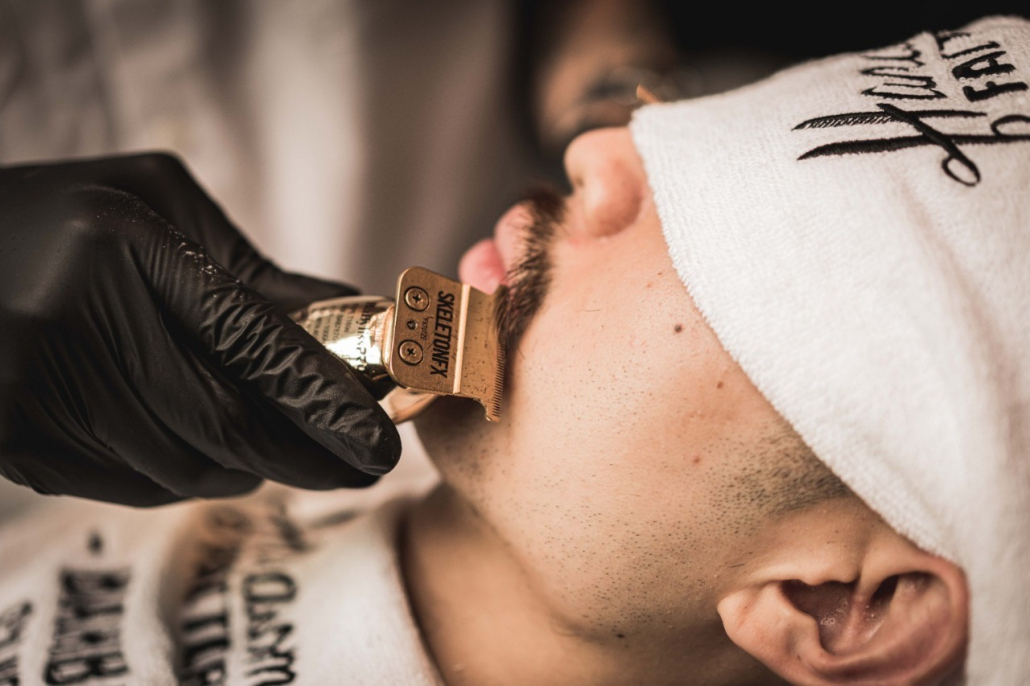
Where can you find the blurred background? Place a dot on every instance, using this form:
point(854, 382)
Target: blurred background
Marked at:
point(354, 138)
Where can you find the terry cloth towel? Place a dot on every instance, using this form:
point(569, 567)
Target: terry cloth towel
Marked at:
point(856, 231)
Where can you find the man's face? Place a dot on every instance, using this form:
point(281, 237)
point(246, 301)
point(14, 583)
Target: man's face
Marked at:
point(626, 427)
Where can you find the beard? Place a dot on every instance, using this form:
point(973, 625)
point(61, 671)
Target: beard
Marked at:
point(452, 427)
point(530, 278)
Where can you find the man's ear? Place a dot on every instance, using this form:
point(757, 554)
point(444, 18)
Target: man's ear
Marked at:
point(890, 614)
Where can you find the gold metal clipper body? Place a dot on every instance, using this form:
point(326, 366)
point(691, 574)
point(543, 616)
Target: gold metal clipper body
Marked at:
point(439, 337)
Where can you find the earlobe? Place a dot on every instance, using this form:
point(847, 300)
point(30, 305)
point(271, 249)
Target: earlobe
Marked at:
point(901, 620)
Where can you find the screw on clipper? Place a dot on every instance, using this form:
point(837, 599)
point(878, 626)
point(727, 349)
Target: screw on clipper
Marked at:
point(410, 352)
point(416, 298)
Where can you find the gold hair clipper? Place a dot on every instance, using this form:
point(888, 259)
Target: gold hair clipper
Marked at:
point(439, 337)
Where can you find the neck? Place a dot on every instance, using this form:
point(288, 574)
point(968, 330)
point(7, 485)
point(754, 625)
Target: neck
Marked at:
point(484, 623)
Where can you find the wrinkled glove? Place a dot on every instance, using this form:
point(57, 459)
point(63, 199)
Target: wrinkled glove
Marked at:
point(145, 353)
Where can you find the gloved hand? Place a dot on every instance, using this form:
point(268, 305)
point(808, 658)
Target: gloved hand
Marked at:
point(145, 353)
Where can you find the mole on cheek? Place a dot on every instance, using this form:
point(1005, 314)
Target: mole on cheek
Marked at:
point(678, 328)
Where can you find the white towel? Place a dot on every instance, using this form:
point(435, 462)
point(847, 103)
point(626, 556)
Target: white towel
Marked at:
point(856, 231)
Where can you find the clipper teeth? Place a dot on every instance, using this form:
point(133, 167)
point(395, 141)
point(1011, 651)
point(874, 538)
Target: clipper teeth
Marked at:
point(494, 408)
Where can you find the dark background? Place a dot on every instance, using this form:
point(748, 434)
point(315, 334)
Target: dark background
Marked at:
point(802, 30)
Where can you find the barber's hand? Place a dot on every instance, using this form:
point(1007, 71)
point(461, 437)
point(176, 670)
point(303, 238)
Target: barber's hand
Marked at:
point(145, 353)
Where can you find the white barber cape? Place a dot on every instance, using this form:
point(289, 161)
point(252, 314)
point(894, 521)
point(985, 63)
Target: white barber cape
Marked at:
point(281, 587)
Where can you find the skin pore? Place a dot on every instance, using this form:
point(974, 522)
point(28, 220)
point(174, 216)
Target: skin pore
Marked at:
point(602, 531)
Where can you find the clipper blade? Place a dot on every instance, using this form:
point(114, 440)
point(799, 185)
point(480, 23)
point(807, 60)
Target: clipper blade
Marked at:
point(439, 338)
point(445, 340)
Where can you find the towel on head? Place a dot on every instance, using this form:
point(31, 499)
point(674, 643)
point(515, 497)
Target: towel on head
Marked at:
point(856, 231)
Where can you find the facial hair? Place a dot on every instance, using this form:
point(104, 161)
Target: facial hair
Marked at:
point(530, 277)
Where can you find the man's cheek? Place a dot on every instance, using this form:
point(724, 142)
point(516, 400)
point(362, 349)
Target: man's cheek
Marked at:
point(565, 366)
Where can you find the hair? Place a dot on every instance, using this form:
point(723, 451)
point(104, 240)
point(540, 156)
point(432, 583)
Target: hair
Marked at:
point(530, 277)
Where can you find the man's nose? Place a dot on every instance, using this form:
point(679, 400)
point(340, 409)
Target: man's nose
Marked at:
point(608, 181)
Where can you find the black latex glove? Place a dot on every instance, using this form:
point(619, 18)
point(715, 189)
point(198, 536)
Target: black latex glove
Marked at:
point(145, 353)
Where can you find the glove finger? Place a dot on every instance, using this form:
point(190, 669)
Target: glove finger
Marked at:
point(253, 343)
point(132, 459)
point(159, 453)
point(78, 427)
point(238, 432)
point(63, 472)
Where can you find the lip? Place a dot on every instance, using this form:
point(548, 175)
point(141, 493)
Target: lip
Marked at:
point(508, 234)
point(487, 264)
point(481, 266)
